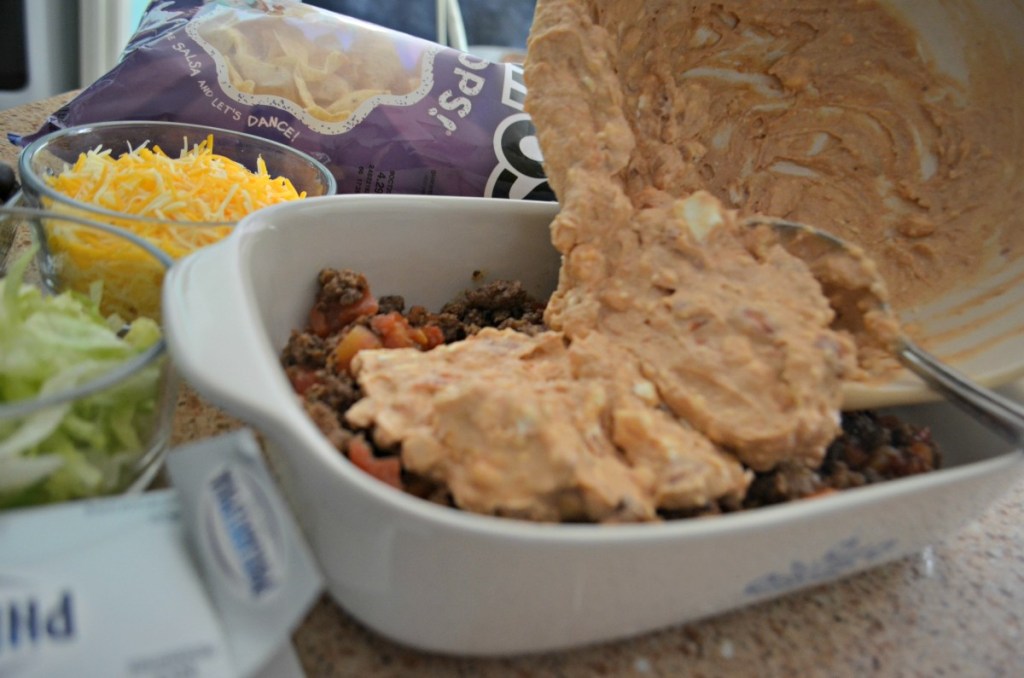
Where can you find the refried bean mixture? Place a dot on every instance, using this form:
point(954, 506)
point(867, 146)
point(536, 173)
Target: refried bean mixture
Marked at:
point(686, 363)
point(824, 111)
point(346, 317)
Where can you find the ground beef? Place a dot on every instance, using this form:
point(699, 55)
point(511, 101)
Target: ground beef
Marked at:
point(392, 303)
point(872, 447)
point(343, 302)
point(502, 304)
point(305, 349)
point(326, 419)
point(337, 290)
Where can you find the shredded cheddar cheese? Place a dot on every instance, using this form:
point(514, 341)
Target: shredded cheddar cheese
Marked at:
point(197, 186)
point(179, 197)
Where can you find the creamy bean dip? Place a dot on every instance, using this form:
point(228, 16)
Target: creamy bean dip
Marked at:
point(685, 350)
point(825, 112)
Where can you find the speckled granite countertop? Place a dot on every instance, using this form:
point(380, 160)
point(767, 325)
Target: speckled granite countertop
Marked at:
point(955, 609)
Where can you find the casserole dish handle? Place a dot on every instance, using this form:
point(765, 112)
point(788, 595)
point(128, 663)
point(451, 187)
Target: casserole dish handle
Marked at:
point(206, 313)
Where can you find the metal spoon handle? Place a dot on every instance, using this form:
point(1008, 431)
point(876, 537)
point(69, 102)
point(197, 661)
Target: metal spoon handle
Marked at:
point(1004, 416)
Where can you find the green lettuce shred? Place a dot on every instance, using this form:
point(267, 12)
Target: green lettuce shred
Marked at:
point(51, 343)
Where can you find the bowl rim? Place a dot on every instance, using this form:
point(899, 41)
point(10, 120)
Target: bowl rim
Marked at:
point(115, 375)
point(33, 182)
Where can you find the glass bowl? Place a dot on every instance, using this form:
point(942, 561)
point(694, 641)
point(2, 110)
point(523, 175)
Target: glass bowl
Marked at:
point(52, 154)
point(87, 391)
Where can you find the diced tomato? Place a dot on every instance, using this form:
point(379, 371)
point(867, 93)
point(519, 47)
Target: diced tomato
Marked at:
point(389, 328)
point(396, 332)
point(387, 470)
point(366, 306)
point(323, 322)
point(301, 379)
point(318, 324)
point(435, 337)
point(354, 341)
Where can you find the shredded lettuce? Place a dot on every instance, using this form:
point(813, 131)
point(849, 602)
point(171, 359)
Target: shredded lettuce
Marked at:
point(52, 343)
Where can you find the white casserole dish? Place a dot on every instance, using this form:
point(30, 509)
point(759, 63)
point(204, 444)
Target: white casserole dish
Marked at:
point(448, 581)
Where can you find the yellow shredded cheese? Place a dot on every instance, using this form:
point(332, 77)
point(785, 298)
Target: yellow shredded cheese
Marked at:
point(197, 186)
point(181, 194)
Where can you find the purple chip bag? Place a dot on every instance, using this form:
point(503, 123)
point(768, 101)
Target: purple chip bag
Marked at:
point(385, 111)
